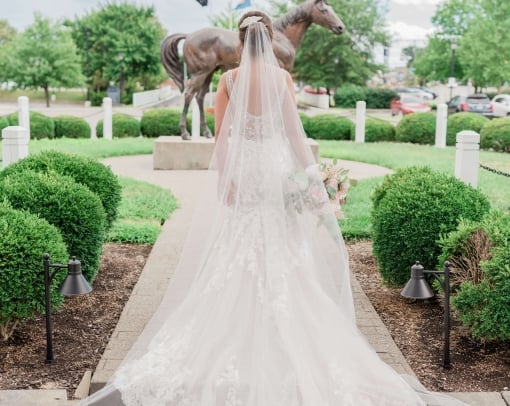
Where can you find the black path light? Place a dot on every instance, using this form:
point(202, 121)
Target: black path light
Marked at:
point(74, 284)
point(418, 288)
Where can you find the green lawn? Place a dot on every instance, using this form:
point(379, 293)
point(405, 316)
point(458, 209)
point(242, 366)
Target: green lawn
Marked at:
point(396, 155)
point(358, 206)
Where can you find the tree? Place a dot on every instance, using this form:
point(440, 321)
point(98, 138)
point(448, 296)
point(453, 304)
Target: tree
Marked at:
point(329, 60)
point(7, 32)
point(483, 49)
point(43, 56)
point(119, 43)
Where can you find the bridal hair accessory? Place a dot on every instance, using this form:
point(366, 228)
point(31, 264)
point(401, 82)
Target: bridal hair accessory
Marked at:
point(250, 20)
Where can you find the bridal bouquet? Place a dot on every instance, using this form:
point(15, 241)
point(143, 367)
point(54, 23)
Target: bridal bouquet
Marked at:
point(317, 187)
point(337, 184)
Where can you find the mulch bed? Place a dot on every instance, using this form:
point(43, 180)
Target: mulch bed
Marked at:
point(417, 328)
point(83, 327)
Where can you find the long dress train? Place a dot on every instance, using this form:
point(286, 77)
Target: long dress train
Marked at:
point(260, 311)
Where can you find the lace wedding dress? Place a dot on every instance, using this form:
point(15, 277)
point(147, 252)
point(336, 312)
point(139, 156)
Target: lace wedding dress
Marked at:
point(260, 311)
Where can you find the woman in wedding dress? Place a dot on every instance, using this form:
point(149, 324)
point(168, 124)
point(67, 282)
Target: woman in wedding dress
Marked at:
point(259, 311)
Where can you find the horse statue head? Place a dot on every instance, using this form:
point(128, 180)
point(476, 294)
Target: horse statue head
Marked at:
point(322, 13)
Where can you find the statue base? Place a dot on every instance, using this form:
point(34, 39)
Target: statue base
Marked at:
point(172, 152)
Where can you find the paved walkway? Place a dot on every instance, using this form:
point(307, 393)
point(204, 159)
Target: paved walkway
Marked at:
point(166, 252)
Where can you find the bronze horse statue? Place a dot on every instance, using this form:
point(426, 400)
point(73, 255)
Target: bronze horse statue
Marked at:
point(210, 49)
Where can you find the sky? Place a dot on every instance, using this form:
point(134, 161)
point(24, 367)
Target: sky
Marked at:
point(407, 20)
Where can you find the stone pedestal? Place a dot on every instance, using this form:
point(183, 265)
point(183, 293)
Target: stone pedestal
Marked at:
point(171, 152)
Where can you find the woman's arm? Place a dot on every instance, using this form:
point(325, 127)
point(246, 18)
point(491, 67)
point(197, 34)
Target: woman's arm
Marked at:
point(294, 127)
point(220, 105)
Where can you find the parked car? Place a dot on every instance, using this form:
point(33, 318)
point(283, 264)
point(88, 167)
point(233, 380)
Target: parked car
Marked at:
point(416, 91)
point(475, 103)
point(501, 105)
point(407, 103)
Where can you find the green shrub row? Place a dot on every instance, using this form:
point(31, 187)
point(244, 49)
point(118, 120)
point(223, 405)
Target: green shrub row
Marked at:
point(420, 128)
point(376, 98)
point(97, 177)
point(411, 209)
point(161, 121)
point(123, 125)
point(328, 127)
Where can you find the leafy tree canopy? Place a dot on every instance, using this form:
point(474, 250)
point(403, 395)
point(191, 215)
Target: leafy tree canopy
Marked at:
point(119, 40)
point(43, 56)
point(329, 60)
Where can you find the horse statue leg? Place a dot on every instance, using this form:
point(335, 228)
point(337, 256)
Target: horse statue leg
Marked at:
point(206, 132)
point(189, 93)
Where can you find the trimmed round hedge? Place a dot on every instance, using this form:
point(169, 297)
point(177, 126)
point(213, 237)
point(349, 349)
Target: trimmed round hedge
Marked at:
point(417, 128)
point(305, 120)
point(41, 126)
point(376, 130)
point(97, 177)
point(72, 208)
point(24, 238)
point(347, 96)
point(158, 122)
point(411, 209)
point(495, 135)
point(463, 121)
point(329, 127)
point(123, 125)
point(71, 127)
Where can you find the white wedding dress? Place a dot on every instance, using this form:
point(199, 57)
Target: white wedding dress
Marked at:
point(260, 310)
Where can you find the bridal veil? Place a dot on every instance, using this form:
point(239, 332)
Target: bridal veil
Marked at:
point(259, 311)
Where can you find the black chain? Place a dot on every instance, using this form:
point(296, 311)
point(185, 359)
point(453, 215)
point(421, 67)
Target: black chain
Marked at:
point(497, 172)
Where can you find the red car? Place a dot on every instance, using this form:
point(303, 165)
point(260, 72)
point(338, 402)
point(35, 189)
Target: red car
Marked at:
point(407, 104)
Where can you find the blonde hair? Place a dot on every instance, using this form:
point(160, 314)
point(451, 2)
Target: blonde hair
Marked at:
point(266, 20)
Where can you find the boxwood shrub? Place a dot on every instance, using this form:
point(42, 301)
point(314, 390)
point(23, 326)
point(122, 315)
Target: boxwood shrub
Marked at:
point(376, 130)
point(329, 127)
point(123, 125)
point(483, 304)
point(411, 209)
point(24, 238)
point(463, 121)
point(41, 126)
point(156, 122)
point(305, 121)
point(71, 127)
point(97, 177)
point(417, 128)
point(495, 135)
point(209, 119)
point(379, 98)
point(3, 123)
point(72, 208)
point(347, 96)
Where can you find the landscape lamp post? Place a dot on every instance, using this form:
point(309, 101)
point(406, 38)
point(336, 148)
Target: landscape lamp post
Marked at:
point(74, 284)
point(418, 288)
point(121, 78)
point(453, 47)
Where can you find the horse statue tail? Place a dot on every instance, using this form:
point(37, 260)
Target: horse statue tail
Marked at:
point(170, 58)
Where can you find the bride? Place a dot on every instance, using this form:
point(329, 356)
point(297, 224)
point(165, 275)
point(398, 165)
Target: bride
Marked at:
point(259, 311)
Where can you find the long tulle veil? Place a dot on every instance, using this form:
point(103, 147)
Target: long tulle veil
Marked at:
point(259, 311)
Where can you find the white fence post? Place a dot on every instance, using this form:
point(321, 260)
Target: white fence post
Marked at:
point(195, 120)
point(107, 121)
point(24, 114)
point(14, 144)
point(441, 120)
point(467, 157)
point(361, 108)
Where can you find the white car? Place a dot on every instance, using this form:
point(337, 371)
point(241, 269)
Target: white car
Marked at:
point(501, 105)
